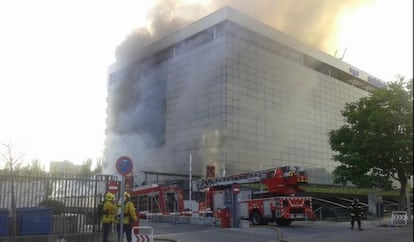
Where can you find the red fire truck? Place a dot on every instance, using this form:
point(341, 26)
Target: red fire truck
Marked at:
point(154, 199)
point(279, 202)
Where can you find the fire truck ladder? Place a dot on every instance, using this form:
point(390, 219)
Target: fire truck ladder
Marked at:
point(243, 178)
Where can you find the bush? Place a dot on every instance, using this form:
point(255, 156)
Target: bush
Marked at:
point(57, 206)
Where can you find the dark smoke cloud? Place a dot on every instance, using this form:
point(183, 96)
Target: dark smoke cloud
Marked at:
point(138, 105)
point(136, 115)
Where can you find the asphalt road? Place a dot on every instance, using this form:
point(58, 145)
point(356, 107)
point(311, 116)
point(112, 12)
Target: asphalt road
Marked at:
point(375, 231)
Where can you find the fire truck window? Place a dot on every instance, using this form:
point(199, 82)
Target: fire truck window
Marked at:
point(143, 203)
point(171, 202)
point(154, 203)
point(269, 174)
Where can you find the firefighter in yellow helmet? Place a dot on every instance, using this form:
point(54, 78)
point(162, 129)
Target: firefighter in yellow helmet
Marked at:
point(108, 215)
point(130, 218)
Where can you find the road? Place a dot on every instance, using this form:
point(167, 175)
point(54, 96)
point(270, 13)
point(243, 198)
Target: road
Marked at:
point(341, 232)
point(375, 231)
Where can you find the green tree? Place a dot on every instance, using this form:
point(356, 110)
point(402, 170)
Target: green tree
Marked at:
point(376, 141)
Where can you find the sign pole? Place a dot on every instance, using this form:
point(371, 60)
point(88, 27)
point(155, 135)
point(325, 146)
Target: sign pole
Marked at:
point(121, 217)
point(189, 189)
point(124, 166)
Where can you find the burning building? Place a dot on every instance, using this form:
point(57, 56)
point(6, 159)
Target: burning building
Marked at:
point(236, 94)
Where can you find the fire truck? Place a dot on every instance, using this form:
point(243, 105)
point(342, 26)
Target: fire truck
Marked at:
point(274, 198)
point(161, 200)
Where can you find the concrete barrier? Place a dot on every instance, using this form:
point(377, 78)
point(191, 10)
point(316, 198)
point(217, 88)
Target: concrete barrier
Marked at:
point(244, 224)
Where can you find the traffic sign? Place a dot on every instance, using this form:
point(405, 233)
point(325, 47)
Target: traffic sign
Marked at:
point(143, 234)
point(399, 217)
point(124, 165)
point(112, 186)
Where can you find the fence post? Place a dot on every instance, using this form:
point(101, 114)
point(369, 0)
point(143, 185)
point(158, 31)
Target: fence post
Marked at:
point(320, 214)
point(13, 207)
point(407, 193)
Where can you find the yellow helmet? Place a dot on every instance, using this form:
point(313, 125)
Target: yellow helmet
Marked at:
point(127, 195)
point(109, 196)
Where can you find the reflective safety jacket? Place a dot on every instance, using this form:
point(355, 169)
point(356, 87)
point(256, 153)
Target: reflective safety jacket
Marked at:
point(129, 213)
point(355, 210)
point(109, 212)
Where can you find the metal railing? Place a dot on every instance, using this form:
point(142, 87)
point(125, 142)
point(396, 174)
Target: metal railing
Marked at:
point(49, 204)
point(320, 212)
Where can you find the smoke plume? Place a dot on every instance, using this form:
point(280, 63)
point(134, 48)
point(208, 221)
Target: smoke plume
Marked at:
point(312, 21)
point(140, 116)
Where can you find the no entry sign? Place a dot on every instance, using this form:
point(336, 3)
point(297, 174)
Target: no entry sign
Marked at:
point(124, 165)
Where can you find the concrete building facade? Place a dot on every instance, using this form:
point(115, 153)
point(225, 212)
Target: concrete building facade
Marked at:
point(235, 94)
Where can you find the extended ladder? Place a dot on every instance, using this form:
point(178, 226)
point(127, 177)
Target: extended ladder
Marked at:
point(253, 177)
point(243, 178)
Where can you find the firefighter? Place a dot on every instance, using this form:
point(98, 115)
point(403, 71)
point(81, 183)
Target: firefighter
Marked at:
point(108, 215)
point(356, 213)
point(130, 218)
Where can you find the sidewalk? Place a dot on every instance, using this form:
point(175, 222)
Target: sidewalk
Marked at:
point(374, 230)
point(385, 222)
point(368, 223)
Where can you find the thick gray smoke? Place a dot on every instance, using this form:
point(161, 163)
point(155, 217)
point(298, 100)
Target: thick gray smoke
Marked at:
point(136, 119)
point(165, 17)
point(136, 114)
point(312, 21)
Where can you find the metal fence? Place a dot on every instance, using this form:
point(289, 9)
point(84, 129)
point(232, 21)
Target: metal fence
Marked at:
point(57, 205)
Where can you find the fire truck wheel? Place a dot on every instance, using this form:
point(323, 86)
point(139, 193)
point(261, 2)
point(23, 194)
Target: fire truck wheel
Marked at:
point(283, 222)
point(256, 218)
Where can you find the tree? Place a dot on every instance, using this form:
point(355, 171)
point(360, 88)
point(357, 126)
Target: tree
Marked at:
point(35, 167)
point(86, 167)
point(57, 206)
point(98, 169)
point(376, 141)
point(11, 157)
point(13, 160)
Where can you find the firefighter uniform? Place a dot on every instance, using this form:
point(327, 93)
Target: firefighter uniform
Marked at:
point(108, 215)
point(130, 218)
point(356, 213)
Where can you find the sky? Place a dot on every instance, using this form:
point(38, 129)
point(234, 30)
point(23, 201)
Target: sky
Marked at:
point(54, 56)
